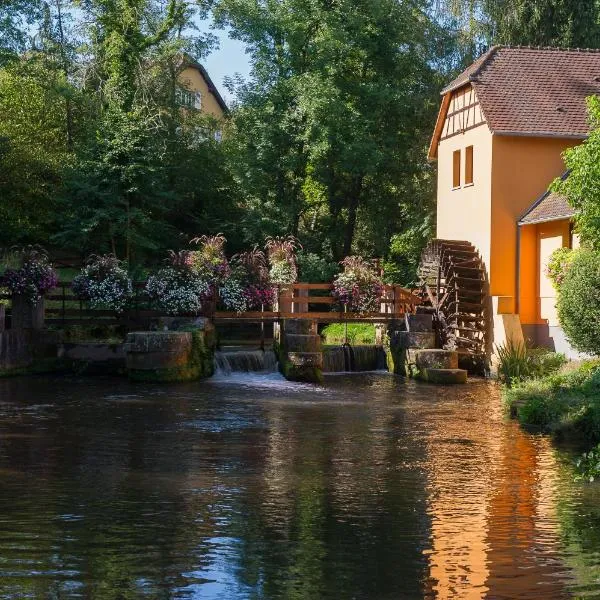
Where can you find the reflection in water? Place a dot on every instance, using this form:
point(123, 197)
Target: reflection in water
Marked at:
point(367, 488)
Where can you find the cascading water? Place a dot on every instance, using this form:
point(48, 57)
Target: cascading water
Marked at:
point(235, 360)
point(347, 358)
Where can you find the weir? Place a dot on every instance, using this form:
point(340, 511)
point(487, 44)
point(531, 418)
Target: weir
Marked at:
point(241, 360)
point(347, 358)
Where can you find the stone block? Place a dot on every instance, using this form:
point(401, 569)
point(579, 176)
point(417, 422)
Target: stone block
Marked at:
point(296, 342)
point(306, 359)
point(419, 323)
point(413, 339)
point(299, 327)
point(445, 376)
point(162, 356)
point(436, 359)
point(178, 323)
point(159, 341)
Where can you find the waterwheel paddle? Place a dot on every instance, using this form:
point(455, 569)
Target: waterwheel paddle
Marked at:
point(454, 288)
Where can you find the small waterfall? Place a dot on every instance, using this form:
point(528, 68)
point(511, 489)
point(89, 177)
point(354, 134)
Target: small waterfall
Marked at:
point(230, 361)
point(346, 358)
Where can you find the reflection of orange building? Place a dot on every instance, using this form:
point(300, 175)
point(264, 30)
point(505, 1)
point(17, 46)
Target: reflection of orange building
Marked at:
point(491, 501)
point(502, 128)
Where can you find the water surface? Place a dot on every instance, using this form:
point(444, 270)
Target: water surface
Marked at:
point(250, 487)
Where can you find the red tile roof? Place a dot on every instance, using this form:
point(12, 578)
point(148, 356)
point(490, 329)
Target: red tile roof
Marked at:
point(550, 206)
point(534, 91)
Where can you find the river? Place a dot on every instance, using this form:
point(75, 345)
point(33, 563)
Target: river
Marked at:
point(250, 487)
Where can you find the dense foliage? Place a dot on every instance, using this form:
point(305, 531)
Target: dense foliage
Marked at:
point(326, 139)
point(517, 362)
point(582, 186)
point(579, 301)
point(558, 264)
point(561, 402)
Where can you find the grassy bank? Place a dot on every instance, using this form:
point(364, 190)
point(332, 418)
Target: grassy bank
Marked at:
point(358, 333)
point(566, 403)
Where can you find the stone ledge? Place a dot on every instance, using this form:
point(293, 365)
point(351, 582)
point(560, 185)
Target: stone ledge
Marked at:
point(445, 376)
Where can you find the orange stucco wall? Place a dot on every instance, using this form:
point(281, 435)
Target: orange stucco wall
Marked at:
point(192, 79)
point(528, 280)
point(465, 213)
point(522, 170)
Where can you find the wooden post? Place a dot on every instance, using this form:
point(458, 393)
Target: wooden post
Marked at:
point(262, 327)
point(398, 304)
point(63, 305)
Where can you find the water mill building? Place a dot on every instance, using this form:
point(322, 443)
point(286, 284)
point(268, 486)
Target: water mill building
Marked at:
point(502, 128)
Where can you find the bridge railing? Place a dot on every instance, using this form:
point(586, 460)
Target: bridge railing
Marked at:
point(298, 301)
point(314, 301)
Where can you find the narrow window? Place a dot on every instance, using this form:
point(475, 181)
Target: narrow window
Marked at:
point(456, 169)
point(468, 165)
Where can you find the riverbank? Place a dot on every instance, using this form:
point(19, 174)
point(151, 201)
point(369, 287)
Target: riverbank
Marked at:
point(566, 404)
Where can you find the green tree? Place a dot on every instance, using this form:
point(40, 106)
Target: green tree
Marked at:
point(33, 148)
point(333, 124)
point(478, 24)
point(582, 186)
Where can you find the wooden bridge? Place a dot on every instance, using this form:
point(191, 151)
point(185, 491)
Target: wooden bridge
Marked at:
point(310, 301)
point(314, 302)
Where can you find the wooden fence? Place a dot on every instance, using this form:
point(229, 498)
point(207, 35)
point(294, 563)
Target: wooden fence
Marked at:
point(300, 301)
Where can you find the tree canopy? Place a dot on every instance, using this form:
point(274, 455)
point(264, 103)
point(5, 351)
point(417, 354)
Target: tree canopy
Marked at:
point(326, 138)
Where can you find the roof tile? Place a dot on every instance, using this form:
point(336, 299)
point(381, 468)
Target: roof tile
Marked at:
point(534, 91)
point(550, 206)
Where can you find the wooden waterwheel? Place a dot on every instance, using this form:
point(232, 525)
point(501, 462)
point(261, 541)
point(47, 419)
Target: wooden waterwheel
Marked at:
point(453, 286)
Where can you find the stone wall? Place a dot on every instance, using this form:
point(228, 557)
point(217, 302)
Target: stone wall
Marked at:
point(28, 350)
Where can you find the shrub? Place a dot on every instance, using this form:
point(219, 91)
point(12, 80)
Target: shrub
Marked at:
point(561, 401)
point(518, 363)
point(579, 301)
point(104, 283)
point(512, 362)
point(588, 465)
point(558, 264)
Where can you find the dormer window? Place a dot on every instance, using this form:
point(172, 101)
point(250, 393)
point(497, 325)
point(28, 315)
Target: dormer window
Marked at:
point(188, 98)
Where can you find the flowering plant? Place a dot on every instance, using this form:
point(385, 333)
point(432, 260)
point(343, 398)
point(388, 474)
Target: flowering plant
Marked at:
point(249, 270)
point(558, 265)
point(178, 291)
point(259, 296)
point(358, 287)
point(33, 277)
point(104, 283)
point(232, 295)
point(210, 262)
point(282, 258)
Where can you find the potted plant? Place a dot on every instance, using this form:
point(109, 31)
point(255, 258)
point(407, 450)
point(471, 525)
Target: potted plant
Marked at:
point(358, 288)
point(103, 283)
point(248, 286)
point(178, 288)
point(283, 270)
point(28, 276)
